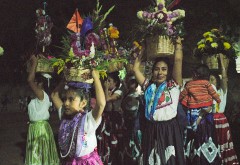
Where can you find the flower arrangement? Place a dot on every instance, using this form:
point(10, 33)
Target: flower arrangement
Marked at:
point(95, 46)
point(43, 27)
point(161, 21)
point(1, 51)
point(214, 42)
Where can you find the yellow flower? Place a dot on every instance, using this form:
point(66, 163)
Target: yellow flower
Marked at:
point(206, 34)
point(102, 73)
point(210, 39)
point(113, 32)
point(226, 45)
point(201, 46)
point(214, 45)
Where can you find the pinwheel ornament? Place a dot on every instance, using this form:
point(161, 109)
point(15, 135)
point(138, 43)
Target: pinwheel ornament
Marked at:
point(75, 22)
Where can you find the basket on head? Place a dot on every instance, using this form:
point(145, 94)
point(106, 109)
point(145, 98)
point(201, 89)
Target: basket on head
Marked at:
point(213, 61)
point(115, 66)
point(44, 65)
point(159, 46)
point(78, 75)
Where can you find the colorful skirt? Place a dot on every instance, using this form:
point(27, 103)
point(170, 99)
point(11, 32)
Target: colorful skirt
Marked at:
point(162, 143)
point(201, 147)
point(89, 159)
point(110, 138)
point(224, 139)
point(41, 147)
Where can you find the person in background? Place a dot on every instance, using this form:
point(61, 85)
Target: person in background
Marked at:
point(41, 147)
point(223, 133)
point(198, 94)
point(162, 142)
point(77, 133)
point(110, 132)
point(200, 146)
point(132, 136)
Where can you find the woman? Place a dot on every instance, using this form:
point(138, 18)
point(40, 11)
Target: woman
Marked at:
point(162, 142)
point(41, 147)
point(222, 132)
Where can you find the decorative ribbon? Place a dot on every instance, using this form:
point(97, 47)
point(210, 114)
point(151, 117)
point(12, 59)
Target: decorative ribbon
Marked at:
point(152, 95)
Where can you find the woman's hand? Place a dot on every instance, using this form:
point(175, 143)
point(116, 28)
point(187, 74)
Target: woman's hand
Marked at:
point(138, 60)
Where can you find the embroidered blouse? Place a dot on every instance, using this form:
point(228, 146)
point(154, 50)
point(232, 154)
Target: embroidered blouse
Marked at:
point(166, 108)
point(89, 138)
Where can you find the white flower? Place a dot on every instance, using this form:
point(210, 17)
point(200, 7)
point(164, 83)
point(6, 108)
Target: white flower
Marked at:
point(92, 51)
point(139, 14)
point(1, 51)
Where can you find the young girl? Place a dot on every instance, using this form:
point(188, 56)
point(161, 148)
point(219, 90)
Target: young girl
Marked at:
point(201, 146)
point(41, 147)
point(223, 132)
point(77, 139)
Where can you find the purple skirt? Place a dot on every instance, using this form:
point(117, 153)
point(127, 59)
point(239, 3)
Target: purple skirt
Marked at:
point(89, 159)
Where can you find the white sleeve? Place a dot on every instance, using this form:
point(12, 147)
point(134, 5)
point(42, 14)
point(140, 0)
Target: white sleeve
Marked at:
point(90, 124)
point(119, 92)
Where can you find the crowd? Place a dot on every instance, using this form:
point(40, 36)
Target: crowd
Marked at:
point(166, 122)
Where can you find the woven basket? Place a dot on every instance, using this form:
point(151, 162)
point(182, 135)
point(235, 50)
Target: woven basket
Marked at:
point(213, 61)
point(115, 66)
point(78, 75)
point(44, 65)
point(159, 46)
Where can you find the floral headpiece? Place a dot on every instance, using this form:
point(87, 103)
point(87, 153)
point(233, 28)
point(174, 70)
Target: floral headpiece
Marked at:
point(214, 42)
point(162, 19)
point(43, 27)
point(95, 46)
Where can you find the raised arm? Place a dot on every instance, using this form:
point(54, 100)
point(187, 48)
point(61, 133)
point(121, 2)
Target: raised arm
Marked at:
point(100, 97)
point(136, 69)
point(31, 78)
point(224, 80)
point(213, 93)
point(55, 95)
point(178, 57)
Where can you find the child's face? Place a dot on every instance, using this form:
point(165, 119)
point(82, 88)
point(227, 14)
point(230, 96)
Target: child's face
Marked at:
point(111, 83)
point(213, 80)
point(73, 103)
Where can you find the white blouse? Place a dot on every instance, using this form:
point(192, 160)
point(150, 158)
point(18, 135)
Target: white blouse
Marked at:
point(167, 110)
point(38, 109)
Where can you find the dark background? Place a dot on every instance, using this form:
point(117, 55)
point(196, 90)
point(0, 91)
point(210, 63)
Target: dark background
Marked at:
point(18, 22)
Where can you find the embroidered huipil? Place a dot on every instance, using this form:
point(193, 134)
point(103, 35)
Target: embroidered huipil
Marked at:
point(167, 102)
point(88, 139)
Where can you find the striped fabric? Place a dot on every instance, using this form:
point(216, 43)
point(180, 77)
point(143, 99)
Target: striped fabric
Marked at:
point(224, 140)
point(198, 93)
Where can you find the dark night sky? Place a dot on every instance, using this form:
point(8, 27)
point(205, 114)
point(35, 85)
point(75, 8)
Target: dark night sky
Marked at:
point(18, 21)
